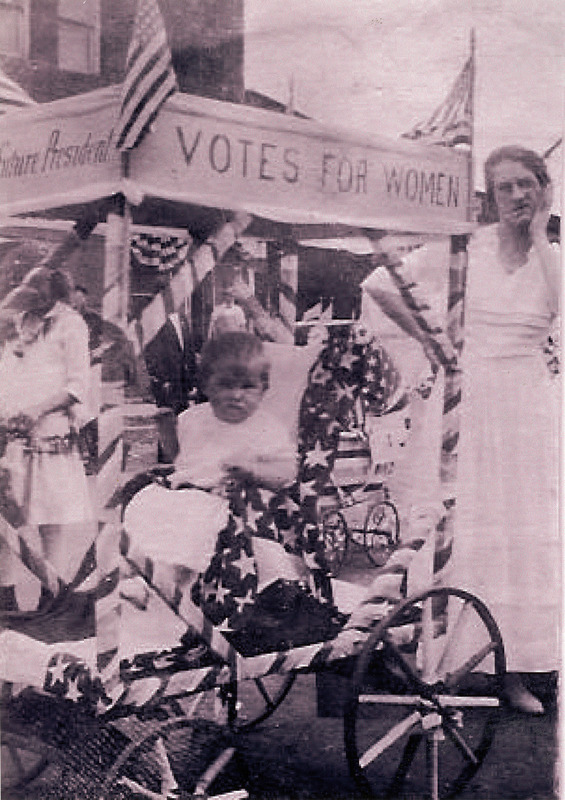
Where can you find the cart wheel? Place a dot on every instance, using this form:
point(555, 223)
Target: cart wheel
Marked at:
point(177, 758)
point(381, 532)
point(423, 705)
point(24, 758)
point(336, 539)
point(252, 701)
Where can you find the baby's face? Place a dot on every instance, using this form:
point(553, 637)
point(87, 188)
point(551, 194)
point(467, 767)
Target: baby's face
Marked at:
point(235, 390)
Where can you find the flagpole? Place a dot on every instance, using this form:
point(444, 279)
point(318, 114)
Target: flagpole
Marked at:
point(552, 149)
point(457, 280)
point(471, 205)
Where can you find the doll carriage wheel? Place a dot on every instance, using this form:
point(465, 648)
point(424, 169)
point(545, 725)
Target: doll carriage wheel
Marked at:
point(421, 714)
point(181, 757)
point(335, 537)
point(381, 532)
point(251, 702)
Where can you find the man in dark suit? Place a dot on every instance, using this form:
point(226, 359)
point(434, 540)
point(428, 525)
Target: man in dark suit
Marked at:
point(171, 363)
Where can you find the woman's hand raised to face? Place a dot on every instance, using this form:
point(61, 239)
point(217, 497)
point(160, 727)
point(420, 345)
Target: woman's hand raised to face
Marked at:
point(542, 214)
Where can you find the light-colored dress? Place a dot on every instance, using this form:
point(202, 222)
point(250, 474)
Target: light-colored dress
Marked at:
point(57, 361)
point(181, 527)
point(507, 548)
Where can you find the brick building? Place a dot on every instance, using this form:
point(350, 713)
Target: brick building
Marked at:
point(57, 48)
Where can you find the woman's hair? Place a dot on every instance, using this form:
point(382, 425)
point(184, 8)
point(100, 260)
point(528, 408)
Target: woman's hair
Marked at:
point(51, 284)
point(528, 158)
point(235, 348)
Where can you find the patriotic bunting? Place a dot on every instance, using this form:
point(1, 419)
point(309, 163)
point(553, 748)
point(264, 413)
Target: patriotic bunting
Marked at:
point(164, 254)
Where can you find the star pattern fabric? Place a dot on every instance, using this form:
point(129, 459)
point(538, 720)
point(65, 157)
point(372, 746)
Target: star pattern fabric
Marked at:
point(67, 677)
point(351, 372)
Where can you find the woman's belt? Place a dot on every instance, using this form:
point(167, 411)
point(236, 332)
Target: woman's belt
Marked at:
point(54, 445)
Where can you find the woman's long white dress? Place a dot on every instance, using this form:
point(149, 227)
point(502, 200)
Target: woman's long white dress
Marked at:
point(507, 548)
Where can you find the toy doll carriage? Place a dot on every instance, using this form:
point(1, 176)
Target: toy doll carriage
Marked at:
point(137, 721)
point(357, 509)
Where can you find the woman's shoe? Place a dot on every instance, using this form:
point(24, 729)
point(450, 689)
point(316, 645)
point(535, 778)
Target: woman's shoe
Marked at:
point(519, 698)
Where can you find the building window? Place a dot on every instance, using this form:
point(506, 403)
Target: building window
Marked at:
point(78, 33)
point(75, 46)
point(14, 28)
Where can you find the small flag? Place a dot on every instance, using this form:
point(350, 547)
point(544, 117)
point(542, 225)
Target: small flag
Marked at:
point(452, 122)
point(166, 254)
point(150, 77)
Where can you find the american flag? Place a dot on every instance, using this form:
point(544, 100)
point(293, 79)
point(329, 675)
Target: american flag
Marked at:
point(165, 254)
point(452, 121)
point(150, 78)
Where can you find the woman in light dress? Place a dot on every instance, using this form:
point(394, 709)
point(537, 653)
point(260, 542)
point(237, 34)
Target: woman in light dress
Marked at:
point(506, 545)
point(44, 377)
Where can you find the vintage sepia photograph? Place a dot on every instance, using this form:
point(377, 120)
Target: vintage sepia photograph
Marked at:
point(280, 399)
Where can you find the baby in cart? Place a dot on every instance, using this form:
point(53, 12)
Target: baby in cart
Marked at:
point(229, 440)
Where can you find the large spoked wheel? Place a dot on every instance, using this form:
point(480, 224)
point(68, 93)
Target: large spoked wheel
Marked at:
point(381, 532)
point(177, 758)
point(336, 539)
point(423, 705)
point(250, 702)
point(24, 758)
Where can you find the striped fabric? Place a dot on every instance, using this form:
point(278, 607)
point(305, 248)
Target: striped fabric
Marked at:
point(416, 302)
point(150, 78)
point(184, 281)
point(451, 122)
point(164, 254)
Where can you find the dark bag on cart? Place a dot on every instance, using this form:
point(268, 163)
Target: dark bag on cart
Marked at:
point(285, 615)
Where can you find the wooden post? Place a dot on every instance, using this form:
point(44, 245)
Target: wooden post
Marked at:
point(115, 303)
point(455, 330)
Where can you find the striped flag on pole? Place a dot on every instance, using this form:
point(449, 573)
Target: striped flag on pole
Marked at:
point(150, 77)
point(452, 122)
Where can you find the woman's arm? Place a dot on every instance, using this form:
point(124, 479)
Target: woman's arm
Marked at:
point(60, 401)
point(394, 307)
point(267, 327)
point(547, 254)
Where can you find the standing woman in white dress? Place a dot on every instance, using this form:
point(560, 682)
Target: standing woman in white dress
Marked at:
point(506, 547)
point(44, 376)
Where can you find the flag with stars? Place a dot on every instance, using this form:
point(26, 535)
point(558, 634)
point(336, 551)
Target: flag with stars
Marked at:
point(150, 78)
point(69, 677)
point(452, 122)
point(345, 370)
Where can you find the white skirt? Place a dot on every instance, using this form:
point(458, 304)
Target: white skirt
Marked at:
point(507, 547)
